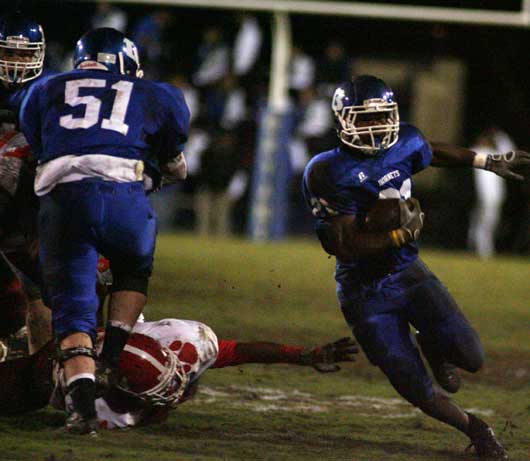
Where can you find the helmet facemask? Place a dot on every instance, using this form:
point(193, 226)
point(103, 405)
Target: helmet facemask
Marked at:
point(370, 128)
point(20, 59)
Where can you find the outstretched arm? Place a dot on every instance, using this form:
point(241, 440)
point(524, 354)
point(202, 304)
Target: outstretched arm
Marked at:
point(511, 165)
point(322, 358)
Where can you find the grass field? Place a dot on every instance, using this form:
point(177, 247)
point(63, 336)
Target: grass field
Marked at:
point(285, 292)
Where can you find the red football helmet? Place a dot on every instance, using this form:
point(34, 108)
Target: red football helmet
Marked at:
point(151, 371)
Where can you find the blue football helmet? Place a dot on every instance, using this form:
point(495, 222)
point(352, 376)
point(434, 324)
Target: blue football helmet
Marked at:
point(108, 49)
point(366, 114)
point(22, 48)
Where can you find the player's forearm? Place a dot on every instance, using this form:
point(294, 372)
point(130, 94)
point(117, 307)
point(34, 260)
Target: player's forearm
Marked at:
point(234, 353)
point(449, 155)
point(265, 352)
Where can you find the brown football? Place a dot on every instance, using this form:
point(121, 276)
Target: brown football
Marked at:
point(383, 216)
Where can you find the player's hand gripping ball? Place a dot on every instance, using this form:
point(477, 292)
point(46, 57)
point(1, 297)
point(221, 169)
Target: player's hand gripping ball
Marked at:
point(384, 216)
point(402, 218)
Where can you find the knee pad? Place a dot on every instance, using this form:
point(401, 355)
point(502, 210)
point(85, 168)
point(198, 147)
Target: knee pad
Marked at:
point(64, 355)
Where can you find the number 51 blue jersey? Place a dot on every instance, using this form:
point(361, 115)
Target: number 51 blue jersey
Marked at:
point(97, 112)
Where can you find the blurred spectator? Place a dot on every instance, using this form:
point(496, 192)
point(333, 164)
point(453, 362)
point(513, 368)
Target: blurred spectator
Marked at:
point(213, 58)
point(313, 133)
point(148, 34)
point(490, 193)
point(219, 188)
point(247, 45)
point(107, 15)
point(302, 70)
point(191, 94)
point(333, 68)
point(316, 121)
point(225, 103)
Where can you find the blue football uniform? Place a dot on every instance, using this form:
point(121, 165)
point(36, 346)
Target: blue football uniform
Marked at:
point(11, 97)
point(95, 135)
point(380, 295)
point(96, 112)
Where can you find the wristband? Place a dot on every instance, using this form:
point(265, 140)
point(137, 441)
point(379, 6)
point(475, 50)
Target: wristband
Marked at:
point(480, 161)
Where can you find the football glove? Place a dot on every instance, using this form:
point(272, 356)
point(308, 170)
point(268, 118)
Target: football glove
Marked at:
point(324, 358)
point(511, 165)
point(411, 220)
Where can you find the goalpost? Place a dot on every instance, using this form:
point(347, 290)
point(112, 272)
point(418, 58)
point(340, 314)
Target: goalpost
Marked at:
point(269, 196)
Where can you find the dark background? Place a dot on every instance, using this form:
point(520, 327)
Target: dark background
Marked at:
point(497, 60)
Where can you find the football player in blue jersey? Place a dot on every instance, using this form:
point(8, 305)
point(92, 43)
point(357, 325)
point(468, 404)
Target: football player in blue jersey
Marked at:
point(22, 50)
point(22, 47)
point(382, 284)
point(99, 134)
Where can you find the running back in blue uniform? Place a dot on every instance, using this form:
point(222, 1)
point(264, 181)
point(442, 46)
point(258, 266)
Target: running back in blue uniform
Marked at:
point(356, 183)
point(382, 285)
point(99, 133)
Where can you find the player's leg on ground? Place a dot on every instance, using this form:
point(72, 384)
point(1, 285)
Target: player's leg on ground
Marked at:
point(435, 313)
point(387, 342)
point(129, 244)
point(69, 259)
point(125, 308)
point(449, 336)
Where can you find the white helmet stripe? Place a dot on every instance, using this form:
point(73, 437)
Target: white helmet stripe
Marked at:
point(146, 356)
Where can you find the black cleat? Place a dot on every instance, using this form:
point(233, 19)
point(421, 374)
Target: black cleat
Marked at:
point(483, 439)
point(445, 373)
point(78, 425)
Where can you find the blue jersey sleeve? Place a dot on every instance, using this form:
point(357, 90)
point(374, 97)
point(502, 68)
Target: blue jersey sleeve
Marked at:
point(323, 192)
point(29, 118)
point(176, 125)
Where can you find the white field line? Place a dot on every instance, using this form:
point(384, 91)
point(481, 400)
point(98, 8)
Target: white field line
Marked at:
point(261, 399)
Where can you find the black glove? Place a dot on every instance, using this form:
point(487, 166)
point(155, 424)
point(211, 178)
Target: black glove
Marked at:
point(324, 358)
point(411, 221)
point(511, 165)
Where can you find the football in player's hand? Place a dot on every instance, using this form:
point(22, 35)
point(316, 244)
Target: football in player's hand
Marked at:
point(384, 216)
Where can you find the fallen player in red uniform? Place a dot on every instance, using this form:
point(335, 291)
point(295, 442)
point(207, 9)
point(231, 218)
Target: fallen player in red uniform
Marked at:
point(159, 369)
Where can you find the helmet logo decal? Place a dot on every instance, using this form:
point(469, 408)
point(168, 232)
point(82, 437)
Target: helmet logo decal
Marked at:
point(131, 50)
point(338, 100)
